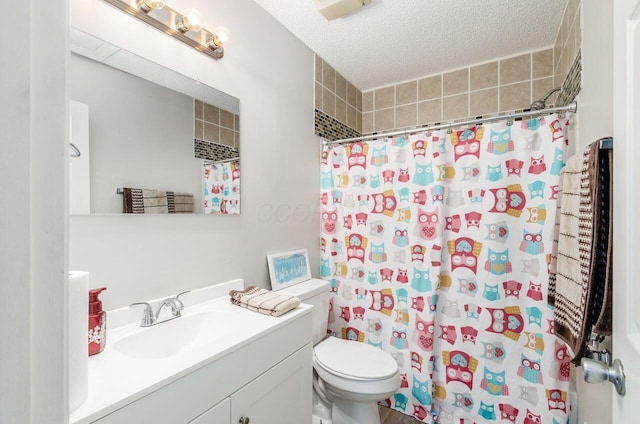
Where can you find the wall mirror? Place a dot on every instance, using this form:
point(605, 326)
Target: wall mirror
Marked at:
point(151, 140)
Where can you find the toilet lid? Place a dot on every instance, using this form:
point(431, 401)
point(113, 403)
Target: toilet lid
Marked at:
point(354, 359)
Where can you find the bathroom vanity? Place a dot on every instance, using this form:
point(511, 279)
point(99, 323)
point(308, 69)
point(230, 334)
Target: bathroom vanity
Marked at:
point(216, 364)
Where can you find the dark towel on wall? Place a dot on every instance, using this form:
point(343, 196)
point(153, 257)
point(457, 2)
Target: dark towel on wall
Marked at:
point(136, 200)
point(580, 281)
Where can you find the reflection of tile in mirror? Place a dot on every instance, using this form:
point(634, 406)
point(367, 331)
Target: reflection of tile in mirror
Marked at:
point(226, 119)
point(211, 132)
point(198, 109)
point(236, 136)
point(236, 120)
point(198, 129)
point(211, 114)
point(226, 137)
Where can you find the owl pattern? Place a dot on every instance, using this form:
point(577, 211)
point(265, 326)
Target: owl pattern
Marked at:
point(404, 224)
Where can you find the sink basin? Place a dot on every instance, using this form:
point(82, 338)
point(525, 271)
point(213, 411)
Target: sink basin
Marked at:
point(172, 337)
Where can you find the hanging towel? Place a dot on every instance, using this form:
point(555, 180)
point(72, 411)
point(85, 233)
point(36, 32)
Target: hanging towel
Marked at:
point(603, 250)
point(136, 200)
point(263, 301)
point(179, 202)
point(580, 277)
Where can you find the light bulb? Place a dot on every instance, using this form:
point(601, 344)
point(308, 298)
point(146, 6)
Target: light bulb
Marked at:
point(149, 5)
point(223, 34)
point(193, 20)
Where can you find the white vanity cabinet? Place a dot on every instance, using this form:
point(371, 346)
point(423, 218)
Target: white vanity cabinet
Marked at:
point(268, 379)
point(281, 395)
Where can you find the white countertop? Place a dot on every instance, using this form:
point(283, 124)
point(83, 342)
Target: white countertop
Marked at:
point(116, 379)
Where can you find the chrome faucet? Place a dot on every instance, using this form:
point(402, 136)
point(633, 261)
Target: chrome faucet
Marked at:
point(149, 318)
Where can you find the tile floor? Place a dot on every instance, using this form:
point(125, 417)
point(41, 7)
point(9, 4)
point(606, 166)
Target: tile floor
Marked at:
point(391, 416)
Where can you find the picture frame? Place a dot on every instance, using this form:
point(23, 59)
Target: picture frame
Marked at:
point(288, 268)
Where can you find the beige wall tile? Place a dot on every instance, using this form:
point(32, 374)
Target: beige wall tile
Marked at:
point(542, 63)
point(407, 93)
point(367, 101)
point(317, 96)
point(540, 87)
point(406, 116)
point(318, 70)
point(430, 88)
point(198, 129)
point(515, 96)
point(367, 122)
point(455, 82)
point(359, 121)
point(384, 98)
point(341, 87)
point(227, 137)
point(341, 111)
point(328, 77)
point(352, 94)
point(359, 100)
point(351, 117)
point(198, 109)
point(515, 69)
point(236, 138)
point(455, 107)
point(483, 102)
point(226, 119)
point(328, 102)
point(430, 112)
point(211, 132)
point(211, 114)
point(483, 76)
point(384, 120)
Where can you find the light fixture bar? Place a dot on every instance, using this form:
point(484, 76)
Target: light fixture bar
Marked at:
point(216, 52)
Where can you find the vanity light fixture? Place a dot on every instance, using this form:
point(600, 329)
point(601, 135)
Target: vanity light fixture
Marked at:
point(185, 27)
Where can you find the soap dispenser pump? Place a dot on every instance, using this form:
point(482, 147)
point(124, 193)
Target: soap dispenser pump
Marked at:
point(97, 322)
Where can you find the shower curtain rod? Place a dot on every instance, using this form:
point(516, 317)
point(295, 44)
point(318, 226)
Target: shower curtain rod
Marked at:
point(572, 107)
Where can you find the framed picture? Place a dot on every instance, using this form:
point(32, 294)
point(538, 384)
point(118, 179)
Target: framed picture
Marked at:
point(288, 268)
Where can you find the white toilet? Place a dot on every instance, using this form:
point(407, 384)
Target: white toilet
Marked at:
point(349, 377)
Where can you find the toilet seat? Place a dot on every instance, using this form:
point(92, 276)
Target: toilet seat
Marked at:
point(353, 360)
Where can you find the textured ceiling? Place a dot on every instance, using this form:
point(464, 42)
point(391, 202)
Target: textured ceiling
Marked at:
point(390, 41)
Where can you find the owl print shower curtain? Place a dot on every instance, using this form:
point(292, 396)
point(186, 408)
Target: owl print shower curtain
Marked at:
point(437, 248)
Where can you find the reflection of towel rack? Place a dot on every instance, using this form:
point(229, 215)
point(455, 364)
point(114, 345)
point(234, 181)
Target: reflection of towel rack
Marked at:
point(213, 162)
point(76, 152)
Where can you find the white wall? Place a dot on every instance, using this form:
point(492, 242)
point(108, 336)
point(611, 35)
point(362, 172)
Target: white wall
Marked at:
point(33, 215)
point(271, 72)
point(141, 134)
point(594, 121)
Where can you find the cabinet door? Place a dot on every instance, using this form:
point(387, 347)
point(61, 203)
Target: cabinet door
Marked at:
point(219, 414)
point(281, 395)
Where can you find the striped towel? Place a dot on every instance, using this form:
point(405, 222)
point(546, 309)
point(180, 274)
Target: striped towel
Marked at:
point(263, 301)
point(578, 286)
point(139, 200)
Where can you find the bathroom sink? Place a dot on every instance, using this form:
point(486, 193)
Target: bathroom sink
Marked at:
point(172, 337)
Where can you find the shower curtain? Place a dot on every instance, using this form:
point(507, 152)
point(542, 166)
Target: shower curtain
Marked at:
point(437, 248)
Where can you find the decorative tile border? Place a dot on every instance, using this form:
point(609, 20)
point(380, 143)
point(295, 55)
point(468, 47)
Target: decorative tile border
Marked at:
point(573, 83)
point(332, 129)
point(213, 151)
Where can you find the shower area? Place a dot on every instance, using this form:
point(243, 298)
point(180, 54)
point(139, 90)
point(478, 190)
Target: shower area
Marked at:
point(437, 239)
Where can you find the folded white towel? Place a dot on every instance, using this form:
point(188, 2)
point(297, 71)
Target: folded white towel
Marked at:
point(263, 301)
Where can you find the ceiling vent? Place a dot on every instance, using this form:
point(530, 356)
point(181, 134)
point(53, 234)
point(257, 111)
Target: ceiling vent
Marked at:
point(332, 9)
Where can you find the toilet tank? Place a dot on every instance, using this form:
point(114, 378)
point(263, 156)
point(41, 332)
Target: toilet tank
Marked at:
point(313, 292)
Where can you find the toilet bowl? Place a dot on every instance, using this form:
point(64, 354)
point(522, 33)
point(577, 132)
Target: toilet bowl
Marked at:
point(349, 377)
point(353, 377)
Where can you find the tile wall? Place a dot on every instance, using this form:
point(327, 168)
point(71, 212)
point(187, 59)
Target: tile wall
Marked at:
point(567, 48)
point(338, 103)
point(502, 85)
point(216, 132)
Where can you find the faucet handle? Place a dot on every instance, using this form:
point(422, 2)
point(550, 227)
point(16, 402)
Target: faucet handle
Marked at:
point(181, 293)
point(148, 319)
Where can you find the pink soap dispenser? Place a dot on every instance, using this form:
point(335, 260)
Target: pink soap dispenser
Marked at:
point(97, 323)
